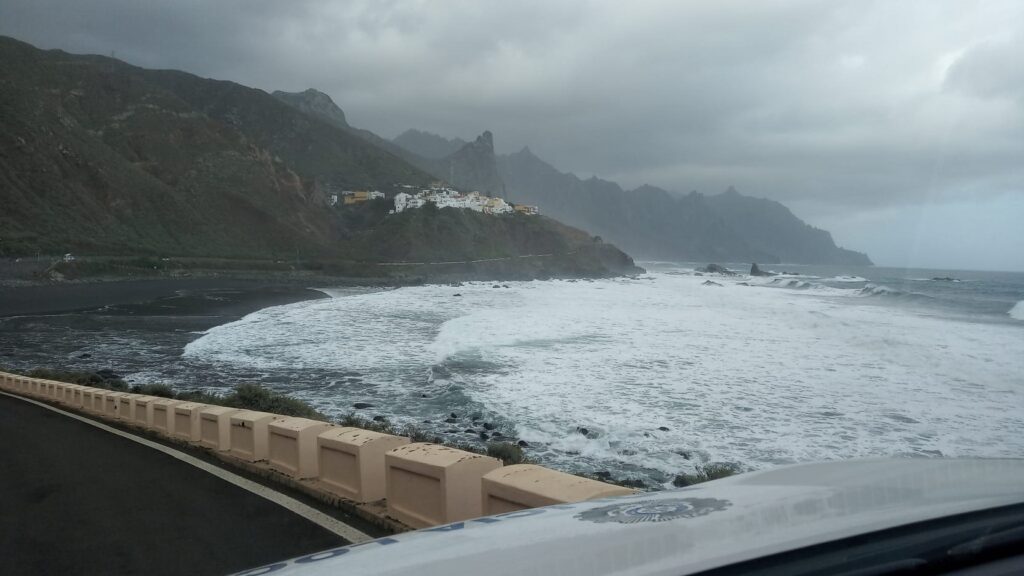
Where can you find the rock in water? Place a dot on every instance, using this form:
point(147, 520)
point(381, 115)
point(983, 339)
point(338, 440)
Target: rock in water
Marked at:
point(361, 405)
point(718, 269)
point(710, 283)
point(755, 271)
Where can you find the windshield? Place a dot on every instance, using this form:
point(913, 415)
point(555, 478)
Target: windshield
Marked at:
point(645, 244)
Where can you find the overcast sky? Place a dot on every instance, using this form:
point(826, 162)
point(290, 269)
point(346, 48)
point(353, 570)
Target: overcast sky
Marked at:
point(898, 126)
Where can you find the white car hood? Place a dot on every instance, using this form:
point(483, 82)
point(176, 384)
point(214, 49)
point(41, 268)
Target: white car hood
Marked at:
point(687, 530)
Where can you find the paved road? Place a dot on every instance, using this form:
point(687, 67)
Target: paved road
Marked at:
point(75, 499)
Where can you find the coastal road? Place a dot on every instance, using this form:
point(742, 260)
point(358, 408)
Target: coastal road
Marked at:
point(76, 499)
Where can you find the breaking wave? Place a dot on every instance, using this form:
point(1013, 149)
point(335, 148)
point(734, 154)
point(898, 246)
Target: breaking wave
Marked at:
point(1017, 312)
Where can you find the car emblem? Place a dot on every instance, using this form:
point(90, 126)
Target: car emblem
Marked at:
point(654, 510)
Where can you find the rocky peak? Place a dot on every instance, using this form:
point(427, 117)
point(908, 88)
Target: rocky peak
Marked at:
point(316, 103)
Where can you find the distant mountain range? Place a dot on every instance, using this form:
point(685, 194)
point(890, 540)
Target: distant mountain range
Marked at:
point(98, 157)
point(647, 222)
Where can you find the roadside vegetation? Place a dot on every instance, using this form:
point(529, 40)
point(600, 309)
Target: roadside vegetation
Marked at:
point(706, 473)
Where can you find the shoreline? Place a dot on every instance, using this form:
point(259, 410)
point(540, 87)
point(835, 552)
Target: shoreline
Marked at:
point(237, 298)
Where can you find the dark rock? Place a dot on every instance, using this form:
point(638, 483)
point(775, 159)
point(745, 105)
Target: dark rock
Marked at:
point(451, 431)
point(583, 431)
point(86, 355)
point(496, 435)
point(457, 294)
point(451, 420)
point(718, 269)
point(523, 444)
point(423, 395)
point(663, 428)
point(697, 274)
point(504, 285)
point(426, 422)
point(469, 431)
point(603, 474)
point(484, 436)
point(361, 405)
point(379, 418)
point(488, 426)
point(453, 415)
point(495, 286)
point(755, 271)
point(710, 283)
point(743, 283)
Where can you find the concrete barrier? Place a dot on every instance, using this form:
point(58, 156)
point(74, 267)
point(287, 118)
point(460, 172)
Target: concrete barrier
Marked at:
point(111, 403)
point(74, 396)
point(522, 486)
point(70, 396)
point(428, 484)
point(92, 397)
point(291, 447)
point(161, 415)
point(126, 406)
point(142, 410)
point(249, 434)
point(186, 421)
point(352, 462)
point(35, 387)
point(215, 427)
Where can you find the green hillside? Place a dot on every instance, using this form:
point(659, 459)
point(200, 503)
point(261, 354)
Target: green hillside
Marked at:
point(101, 158)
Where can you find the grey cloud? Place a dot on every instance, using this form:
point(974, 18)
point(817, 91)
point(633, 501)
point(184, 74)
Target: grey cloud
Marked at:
point(839, 108)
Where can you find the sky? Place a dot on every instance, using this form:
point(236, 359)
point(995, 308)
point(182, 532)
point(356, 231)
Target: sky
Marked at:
point(896, 125)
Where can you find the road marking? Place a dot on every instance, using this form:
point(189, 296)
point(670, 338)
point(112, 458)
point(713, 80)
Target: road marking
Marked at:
point(308, 512)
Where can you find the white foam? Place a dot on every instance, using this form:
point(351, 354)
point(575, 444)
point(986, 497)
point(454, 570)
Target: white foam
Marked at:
point(1017, 312)
point(850, 279)
point(742, 374)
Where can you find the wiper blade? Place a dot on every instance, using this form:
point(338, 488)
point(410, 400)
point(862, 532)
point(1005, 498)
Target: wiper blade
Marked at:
point(988, 542)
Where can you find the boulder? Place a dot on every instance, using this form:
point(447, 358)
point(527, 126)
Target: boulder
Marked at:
point(755, 271)
point(710, 283)
point(361, 405)
point(718, 269)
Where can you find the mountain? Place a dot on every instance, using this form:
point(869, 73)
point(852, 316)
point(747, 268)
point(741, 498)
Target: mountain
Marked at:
point(465, 165)
point(428, 145)
point(649, 222)
point(768, 226)
point(98, 157)
point(472, 167)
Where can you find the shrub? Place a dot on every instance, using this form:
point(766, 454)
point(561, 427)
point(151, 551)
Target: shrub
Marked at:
point(507, 453)
point(161, 390)
point(706, 473)
point(256, 397)
point(108, 381)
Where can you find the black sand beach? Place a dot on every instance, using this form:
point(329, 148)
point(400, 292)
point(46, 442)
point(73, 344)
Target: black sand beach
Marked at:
point(235, 297)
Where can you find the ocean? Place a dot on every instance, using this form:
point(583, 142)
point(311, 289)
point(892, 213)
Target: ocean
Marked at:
point(638, 378)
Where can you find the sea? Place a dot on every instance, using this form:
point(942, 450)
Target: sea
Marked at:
point(633, 378)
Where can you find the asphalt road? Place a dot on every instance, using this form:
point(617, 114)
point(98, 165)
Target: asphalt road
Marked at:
point(75, 499)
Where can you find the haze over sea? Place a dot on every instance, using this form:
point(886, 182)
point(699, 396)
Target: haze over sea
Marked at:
point(641, 377)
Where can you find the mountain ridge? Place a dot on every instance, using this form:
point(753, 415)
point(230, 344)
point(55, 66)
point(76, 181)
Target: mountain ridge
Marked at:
point(653, 223)
point(102, 158)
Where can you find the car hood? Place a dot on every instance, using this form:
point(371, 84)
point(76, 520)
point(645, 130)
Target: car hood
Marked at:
point(690, 529)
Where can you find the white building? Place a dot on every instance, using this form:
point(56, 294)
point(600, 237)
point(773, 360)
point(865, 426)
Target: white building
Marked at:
point(444, 197)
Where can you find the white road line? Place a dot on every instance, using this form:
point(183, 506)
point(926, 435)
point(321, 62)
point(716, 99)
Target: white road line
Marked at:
point(308, 512)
